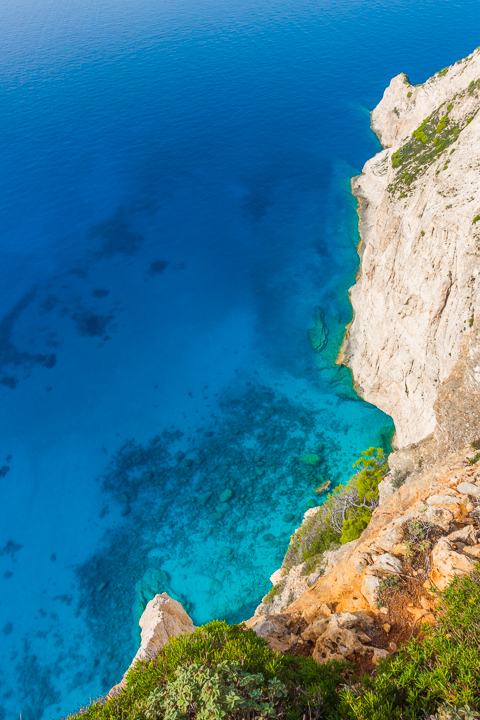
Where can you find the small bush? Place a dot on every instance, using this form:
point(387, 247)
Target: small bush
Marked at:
point(427, 675)
point(475, 219)
point(227, 690)
point(345, 513)
point(227, 671)
point(272, 593)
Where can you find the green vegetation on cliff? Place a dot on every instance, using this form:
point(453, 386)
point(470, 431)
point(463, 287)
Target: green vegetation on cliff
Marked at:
point(427, 142)
point(344, 515)
point(437, 674)
point(435, 134)
point(223, 671)
point(226, 672)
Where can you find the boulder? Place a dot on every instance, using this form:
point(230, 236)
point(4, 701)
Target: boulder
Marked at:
point(446, 563)
point(454, 504)
point(337, 644)
point(273, 629)
point(309, 458)
point(385, 564)
point(369, 590)
point(339, 637)
point(469, 535)
point(316, 612)
point(468, 488)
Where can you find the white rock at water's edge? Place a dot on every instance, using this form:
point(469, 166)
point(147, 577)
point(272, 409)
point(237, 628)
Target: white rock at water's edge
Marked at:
point(162, 619)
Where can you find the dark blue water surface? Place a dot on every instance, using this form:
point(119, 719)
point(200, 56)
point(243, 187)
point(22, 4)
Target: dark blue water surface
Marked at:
point(174, 204)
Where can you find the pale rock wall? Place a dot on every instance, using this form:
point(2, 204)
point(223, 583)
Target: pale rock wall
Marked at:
point(417, 292)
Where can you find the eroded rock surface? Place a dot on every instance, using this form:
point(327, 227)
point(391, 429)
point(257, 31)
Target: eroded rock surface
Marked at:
point(412, 345)
point(382, 586)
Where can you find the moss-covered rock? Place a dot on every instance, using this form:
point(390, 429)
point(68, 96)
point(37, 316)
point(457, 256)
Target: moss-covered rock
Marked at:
point(309, 458)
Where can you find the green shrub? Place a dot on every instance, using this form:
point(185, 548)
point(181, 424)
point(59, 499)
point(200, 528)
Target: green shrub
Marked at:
point(372, 467)
point(474, 460)
point(273, 592)
point(474, 85)
point(475, 219)
point(225, 691)
point(442, 669)
point(345, 513)
point(427, 142)
point(236, 662)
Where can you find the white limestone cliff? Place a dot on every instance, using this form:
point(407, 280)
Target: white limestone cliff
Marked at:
point(418, 289)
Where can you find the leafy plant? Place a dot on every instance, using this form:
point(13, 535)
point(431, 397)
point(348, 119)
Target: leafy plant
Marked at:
point(226, 691)
point(440, 672)
point(227, 671)
point(345, 513)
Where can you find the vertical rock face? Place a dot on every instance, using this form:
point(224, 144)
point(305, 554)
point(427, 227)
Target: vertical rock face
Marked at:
point(417, 295)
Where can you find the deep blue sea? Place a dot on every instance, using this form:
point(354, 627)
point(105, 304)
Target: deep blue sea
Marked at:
point(174, 206)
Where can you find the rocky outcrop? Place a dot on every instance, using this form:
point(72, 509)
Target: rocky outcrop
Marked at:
point(375, 593)
point(414, 349)
point(162, 619)
point(412, 345)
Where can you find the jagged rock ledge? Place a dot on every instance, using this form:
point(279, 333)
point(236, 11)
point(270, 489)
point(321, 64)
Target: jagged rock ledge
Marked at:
point(378, 588)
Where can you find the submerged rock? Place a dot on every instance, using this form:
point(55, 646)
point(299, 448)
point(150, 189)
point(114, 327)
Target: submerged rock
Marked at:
point(226, 495)
point(323, 487)
point(7, 629)
point(309, 458)
point(318, 335)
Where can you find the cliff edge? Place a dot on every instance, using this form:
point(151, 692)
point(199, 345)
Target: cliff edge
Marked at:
point(413, 339)
point(414, 350)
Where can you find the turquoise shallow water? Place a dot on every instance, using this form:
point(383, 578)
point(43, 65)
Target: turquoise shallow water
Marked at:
point(174, 206)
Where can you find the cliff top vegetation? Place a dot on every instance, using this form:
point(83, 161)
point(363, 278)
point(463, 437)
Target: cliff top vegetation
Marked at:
point(226, 672)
